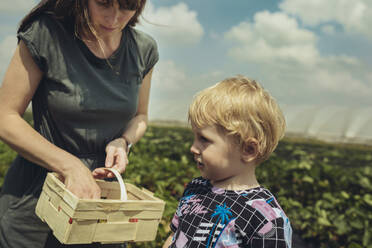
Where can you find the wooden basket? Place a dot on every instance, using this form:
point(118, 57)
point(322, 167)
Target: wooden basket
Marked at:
point(109, 220)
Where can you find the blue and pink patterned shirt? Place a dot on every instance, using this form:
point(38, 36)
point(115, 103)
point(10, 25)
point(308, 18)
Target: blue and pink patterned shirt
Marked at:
point(213, 217)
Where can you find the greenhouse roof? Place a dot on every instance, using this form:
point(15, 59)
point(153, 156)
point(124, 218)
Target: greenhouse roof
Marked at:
point(330, 123)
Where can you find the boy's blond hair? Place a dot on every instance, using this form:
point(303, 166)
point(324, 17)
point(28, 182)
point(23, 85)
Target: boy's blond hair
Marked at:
point(241, 107)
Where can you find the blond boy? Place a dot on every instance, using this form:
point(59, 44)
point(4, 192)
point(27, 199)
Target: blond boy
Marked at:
point(236, 126)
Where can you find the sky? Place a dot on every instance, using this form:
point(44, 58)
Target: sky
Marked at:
point(305, 53)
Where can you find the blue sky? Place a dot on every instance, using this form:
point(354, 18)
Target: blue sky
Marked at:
point(313, 54)
point(306, 53)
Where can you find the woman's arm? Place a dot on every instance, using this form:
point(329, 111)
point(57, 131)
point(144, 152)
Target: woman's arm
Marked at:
point(116, 150)
point(20, 83)
point(138, 125)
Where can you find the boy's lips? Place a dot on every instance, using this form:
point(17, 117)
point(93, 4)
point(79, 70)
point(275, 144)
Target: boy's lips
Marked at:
point(199, 163)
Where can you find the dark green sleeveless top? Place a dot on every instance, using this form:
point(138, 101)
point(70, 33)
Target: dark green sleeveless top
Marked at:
point(82, 103)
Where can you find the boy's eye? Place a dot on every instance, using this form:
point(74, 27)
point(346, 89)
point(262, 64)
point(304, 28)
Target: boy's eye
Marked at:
point(203, 139)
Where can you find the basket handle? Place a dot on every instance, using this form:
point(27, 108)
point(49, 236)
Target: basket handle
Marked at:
point(123, 190)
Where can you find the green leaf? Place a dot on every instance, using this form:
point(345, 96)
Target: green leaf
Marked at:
point(357, 223)
point(345, 195)
point(366, 237)
point(308, 179)
point(354, 245)
point(323, 221)
point(341, 225)
point(324, 183)
point(304, 165)
point(364, 181)
point(368, 199)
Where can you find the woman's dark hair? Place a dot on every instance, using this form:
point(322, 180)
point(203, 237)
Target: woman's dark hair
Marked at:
point(76, 12)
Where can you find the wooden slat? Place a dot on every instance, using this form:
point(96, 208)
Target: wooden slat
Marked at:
point(148, 230)
point(82, 232)
point(116, 205)
point(57, 220)
point(59, 188)
point(115, 232)
point(143, 195)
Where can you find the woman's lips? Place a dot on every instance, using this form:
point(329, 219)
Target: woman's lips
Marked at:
point(108, 29)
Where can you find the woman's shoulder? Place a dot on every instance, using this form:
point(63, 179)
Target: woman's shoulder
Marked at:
point(43, 23)
point(145, 46)
point(141, 38)
point(36, 22)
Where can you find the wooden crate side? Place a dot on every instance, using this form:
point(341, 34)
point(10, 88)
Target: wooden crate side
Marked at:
point(147, 191)
point(58, 201)
point(140, 215)
point(59, 188)
point(141, 194)
point(41, 205)
point(56, 218)
point(109, 190)
point(144, 193)
point(117, 205)
point(112, 216)
point(147, 230)
point(132, 209)
point(82, 232)
point(115, 232)
point(111, 185)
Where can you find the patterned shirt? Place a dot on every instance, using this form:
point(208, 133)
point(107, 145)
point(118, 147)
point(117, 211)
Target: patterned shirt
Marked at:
point(208, 216)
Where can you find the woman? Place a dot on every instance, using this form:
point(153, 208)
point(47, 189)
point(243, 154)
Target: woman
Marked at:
point(87, 72)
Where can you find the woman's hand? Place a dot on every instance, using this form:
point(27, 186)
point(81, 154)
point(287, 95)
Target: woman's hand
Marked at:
point(80, 182)
point(116, 157)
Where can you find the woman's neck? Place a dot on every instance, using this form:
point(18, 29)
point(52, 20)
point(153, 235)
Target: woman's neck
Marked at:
point(104, 47)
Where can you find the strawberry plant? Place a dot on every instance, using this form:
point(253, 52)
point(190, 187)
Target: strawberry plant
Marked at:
point(325, 189)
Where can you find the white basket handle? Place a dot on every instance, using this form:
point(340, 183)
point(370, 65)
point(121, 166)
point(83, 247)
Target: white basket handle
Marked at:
point(123, 190)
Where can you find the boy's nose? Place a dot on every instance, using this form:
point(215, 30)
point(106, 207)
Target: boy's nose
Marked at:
point(194, 149)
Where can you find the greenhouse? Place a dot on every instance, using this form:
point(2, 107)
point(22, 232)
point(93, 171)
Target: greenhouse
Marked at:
point(330, 123)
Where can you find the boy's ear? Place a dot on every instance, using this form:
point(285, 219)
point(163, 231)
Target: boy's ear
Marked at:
point(250, 150)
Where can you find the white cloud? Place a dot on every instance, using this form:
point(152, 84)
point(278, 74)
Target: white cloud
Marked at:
point(16, 6)
point(173, 89)
point(168, 76)
point(328, 29)
point(168, 100)
point(273, 36)
point(355, 16)
point(7, 48)
point(172, 25)
point(288, 53)
point(336, 74)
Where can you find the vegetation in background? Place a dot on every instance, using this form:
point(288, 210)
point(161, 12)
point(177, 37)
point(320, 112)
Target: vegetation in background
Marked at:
point(325, 189)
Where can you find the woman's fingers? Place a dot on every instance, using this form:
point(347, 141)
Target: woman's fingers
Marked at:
point(100, 173)
point(116, 157)
point(110, 152)
point(82, 184)
point(121, 161)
